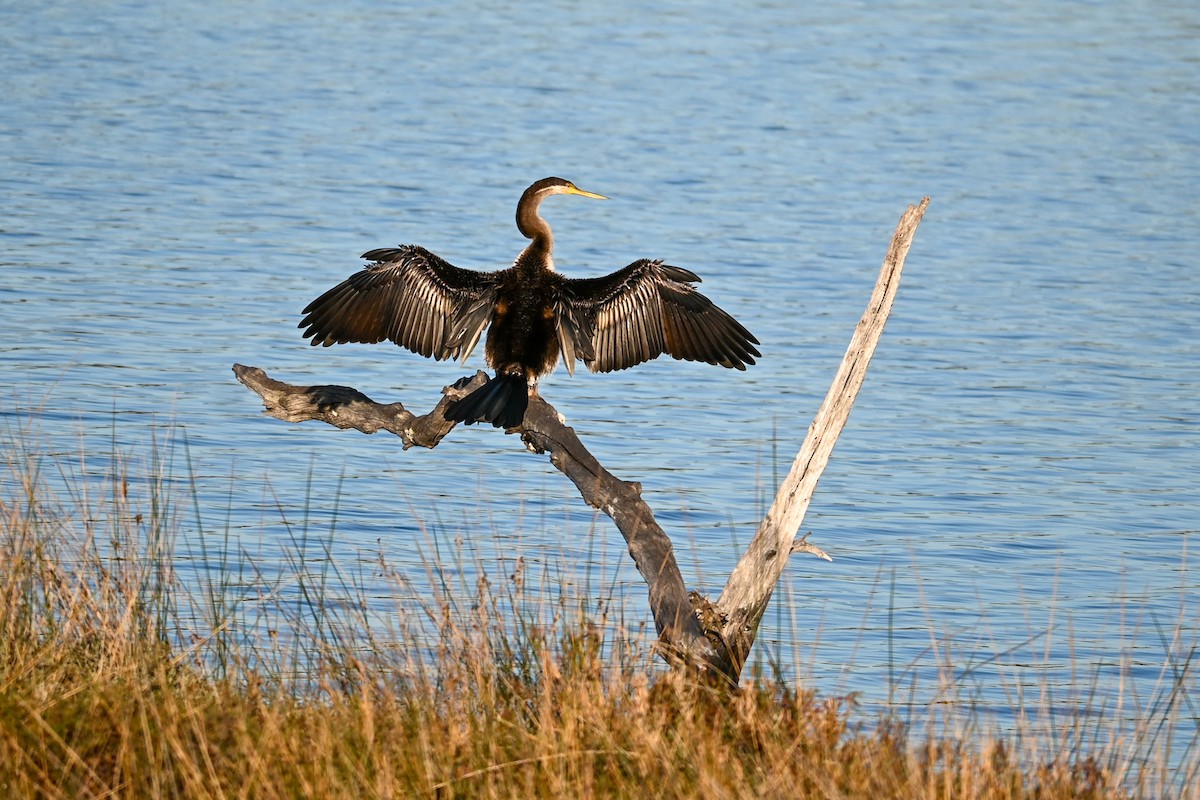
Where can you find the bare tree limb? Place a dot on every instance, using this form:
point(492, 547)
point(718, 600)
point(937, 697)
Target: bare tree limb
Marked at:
point(679, 630)
point(543, 431)
point(745, 597)
point(347, 408)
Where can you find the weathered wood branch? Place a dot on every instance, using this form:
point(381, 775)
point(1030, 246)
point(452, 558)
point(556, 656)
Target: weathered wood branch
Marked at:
point(679, 629)
point(713, 637)
point(347, 408)
point(745, 597)
point(543, 431)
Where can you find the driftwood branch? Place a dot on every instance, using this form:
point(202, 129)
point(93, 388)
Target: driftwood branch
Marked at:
point(543, 431)
point(679, 630)
point(745, 597)
point(347, 408)
point(714, 637)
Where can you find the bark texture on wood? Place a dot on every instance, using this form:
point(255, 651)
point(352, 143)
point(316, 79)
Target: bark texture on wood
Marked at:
point(679, 630)
point(347, 408)
point(713, 637)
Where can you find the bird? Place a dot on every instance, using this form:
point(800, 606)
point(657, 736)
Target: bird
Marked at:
point(537, 316)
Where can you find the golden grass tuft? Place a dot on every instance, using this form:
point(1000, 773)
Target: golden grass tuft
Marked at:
point(115, 681)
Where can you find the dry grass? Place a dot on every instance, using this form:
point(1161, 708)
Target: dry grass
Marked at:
point(116, 682)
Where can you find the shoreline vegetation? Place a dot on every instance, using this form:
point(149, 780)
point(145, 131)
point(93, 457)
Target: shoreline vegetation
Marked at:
point(118, 680)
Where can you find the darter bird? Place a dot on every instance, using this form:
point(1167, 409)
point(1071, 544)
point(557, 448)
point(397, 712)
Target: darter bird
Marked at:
point(421, 302)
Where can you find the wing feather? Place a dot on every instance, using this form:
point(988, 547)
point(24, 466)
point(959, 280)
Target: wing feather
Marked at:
point(409, 296)
point(644, 310)
point(468, 323)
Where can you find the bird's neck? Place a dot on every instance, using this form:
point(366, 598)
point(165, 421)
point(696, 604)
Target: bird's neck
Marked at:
point(539, 254)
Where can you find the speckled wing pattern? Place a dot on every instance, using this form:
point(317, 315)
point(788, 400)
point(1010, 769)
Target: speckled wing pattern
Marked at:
point(409, 296)
point(642, 311)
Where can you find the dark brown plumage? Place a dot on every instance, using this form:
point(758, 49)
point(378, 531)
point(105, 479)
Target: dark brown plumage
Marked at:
point(412, 297)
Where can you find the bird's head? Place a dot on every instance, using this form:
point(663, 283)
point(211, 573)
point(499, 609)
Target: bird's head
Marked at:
point(529, 221)
point(548, 186)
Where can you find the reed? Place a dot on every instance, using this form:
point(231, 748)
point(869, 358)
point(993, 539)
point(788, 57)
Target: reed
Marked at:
point(118, 680)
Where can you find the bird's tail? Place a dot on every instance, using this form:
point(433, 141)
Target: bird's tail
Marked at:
point(501, 401)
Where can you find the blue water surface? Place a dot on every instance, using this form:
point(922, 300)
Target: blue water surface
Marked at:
point(1015, 497)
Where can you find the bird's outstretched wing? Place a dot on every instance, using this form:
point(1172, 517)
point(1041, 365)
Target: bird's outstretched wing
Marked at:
point(409, 296)
point(642, 311)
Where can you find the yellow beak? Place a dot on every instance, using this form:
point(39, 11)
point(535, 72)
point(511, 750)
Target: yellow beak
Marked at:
point(576, 190)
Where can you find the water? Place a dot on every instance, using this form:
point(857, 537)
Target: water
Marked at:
point(179, 180)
